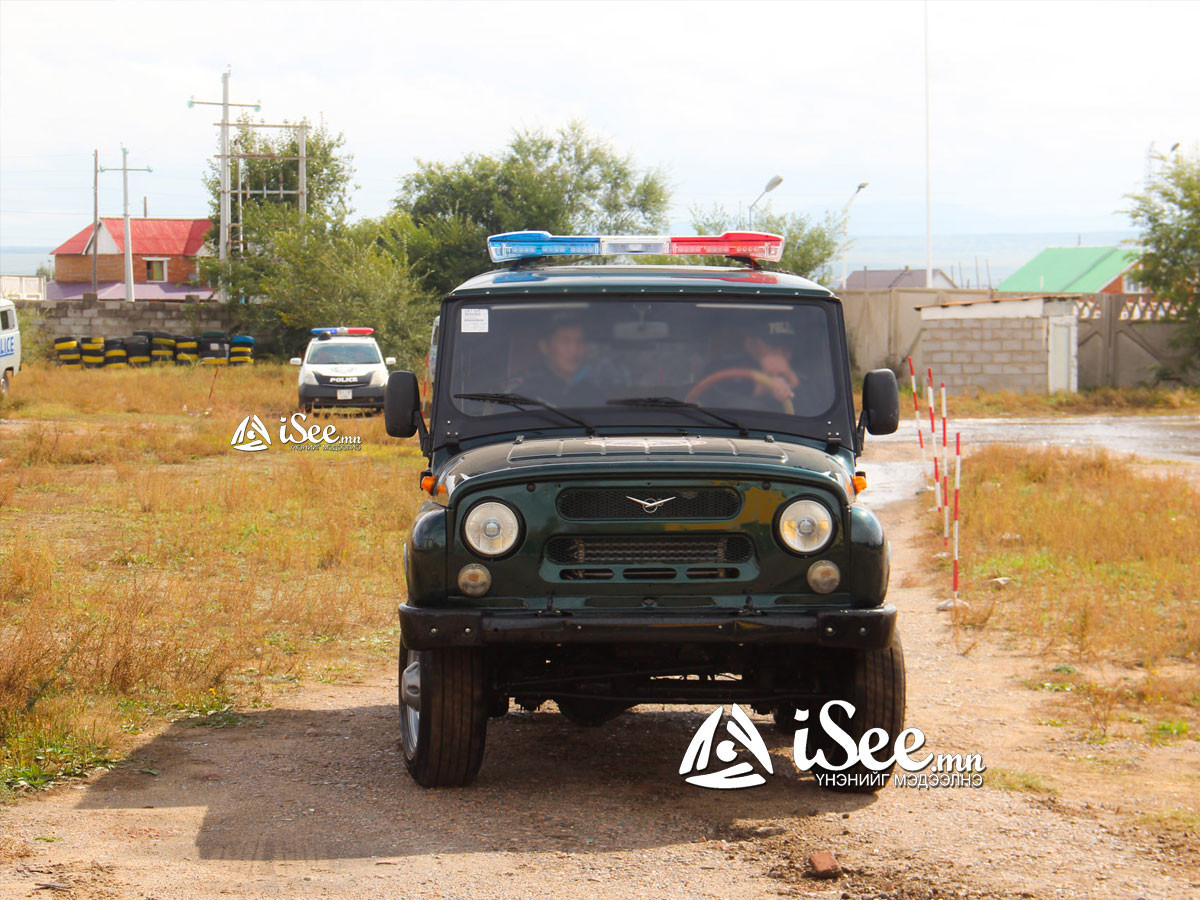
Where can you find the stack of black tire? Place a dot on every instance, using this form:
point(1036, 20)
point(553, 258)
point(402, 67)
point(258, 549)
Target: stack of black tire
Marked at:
point(162, 348)
point(187, 350)
point(137, 349)
point(91, 351)
point(115, 356)
point(214, 348)
point(68, 352)
point(241, 350)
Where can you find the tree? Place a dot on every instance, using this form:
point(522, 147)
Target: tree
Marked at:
point(328, 171)
point(571, 182)
point(808, 247)
point(1168, 215)
point(324, 271)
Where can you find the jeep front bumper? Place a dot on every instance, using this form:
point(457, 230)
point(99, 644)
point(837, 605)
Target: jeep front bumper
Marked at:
point(424, 628)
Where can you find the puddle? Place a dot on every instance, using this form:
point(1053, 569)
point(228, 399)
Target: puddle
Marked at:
point(1159, 438)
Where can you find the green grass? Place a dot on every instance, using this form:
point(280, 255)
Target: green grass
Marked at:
point(1017, 780)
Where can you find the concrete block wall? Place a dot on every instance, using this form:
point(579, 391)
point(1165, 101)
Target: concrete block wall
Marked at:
point(120, 318)
point(999, 354)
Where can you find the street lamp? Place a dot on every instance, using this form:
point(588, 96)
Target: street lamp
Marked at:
point(776, 181)
point(846, 229)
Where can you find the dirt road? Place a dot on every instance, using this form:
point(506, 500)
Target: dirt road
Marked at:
point(310, 799)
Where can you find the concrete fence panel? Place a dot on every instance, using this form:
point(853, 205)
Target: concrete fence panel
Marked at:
point(120, 318)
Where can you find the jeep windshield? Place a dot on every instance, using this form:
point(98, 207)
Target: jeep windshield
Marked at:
point(633, 364)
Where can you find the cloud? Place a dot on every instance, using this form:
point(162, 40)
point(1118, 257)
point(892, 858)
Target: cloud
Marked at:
point(1040, 112)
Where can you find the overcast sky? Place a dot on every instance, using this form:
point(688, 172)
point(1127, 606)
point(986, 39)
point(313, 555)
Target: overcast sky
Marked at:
point(1042, 112)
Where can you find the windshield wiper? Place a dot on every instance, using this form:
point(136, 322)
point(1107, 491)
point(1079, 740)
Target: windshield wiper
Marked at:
point(672, 403)
point(522, 400)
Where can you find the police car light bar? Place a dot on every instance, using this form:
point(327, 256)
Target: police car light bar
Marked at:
point(343, 330)
point(528, 244)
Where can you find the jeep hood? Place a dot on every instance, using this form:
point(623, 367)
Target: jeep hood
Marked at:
point(701, 456)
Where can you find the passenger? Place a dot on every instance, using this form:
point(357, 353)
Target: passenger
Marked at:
point(562, 377)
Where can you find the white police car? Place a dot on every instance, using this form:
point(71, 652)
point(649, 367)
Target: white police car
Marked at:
point(10, 345)
point(342, 367)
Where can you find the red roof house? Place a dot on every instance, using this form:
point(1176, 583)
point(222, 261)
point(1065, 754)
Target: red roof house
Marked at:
point(164, 260)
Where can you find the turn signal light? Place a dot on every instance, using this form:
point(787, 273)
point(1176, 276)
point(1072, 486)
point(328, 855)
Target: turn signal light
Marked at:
point(860, 483)
point(427, 484)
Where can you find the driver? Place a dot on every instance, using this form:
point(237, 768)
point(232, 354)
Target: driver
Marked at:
point(561, 377)
point(767, 350)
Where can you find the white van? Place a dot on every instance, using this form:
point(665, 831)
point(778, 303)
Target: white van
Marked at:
point(10, 345)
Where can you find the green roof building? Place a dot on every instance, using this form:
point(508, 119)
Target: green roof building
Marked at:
point(1075, 270)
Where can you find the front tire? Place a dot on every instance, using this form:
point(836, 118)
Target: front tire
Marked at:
point(443, 715)
point(874, 684)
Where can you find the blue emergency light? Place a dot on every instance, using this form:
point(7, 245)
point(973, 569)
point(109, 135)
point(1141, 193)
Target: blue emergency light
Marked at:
point(342, 330)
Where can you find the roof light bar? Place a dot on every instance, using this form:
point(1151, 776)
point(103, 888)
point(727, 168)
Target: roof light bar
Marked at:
point(530, 244)
point(343, 330)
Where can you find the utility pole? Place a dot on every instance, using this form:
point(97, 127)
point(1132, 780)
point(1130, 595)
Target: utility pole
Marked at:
point(95, 213)
point(846, 231)
point(928, 194)
point(302, 184)
point(223, 166)
point(125, 170)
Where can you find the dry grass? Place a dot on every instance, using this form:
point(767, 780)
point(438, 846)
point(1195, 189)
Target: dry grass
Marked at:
point(147, 569)
point(1108, 401)
point(1103, 562)
point(47, 391)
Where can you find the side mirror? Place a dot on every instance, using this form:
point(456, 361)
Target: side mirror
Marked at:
point(880, 402)
point(389, 361)
point(402, 405)
point(294, 361)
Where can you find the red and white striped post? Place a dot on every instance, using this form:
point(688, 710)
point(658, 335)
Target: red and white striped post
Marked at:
point(912, 375)
point(946, 453)
point(937, 493)
point(957, 484)
point(945, 450)
point(945, 487)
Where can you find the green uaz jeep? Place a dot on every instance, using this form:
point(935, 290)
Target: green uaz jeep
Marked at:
point(642, 490)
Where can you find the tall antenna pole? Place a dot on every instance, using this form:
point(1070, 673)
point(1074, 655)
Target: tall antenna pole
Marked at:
point(223, 168)
point(95, 213)
point(928, 195)
point(223, 253)
point(125, 170)
point(128, 236)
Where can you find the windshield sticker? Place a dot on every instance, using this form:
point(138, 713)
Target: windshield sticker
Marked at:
point(475, 321)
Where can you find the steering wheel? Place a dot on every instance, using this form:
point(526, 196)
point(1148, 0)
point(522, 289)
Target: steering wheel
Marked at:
point(728, 375)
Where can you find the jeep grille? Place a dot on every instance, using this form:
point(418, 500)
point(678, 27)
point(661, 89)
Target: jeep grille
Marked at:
point(614, 503)
point(650, 549)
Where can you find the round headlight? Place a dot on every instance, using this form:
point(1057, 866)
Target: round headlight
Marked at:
point(805, 526)
point(491, 528)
